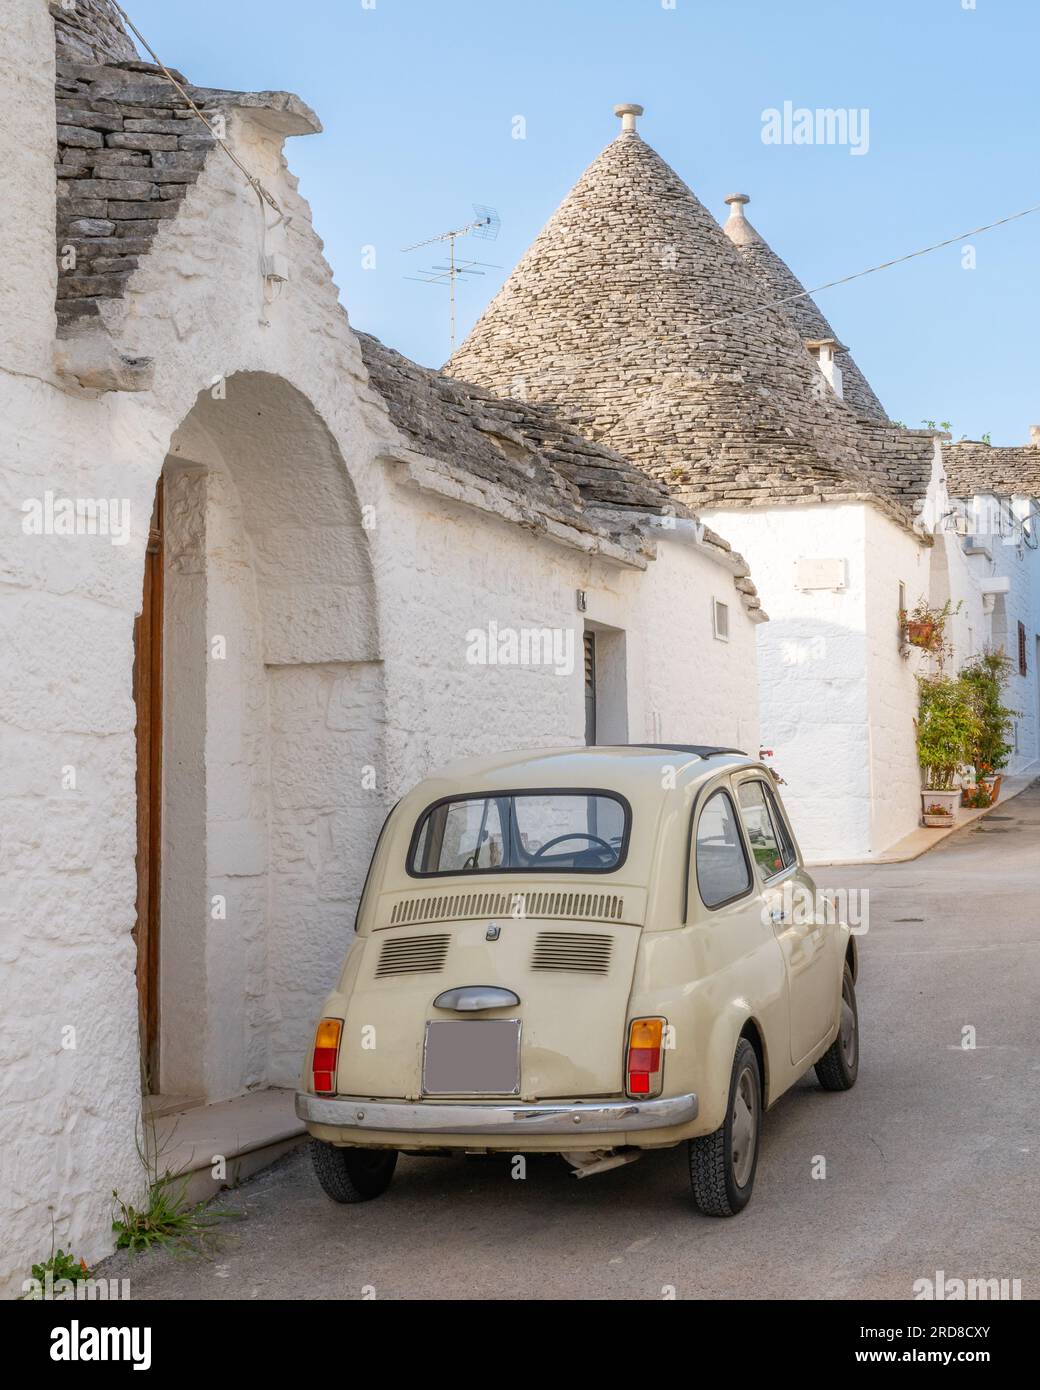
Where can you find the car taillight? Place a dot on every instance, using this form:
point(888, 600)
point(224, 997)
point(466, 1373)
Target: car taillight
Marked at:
point(644, 1065)
point(326, 1055)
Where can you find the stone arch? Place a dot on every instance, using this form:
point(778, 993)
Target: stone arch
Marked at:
point(271, 728)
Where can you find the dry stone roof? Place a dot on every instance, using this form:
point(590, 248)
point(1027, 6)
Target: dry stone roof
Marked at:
point(129, 149)
point(780, 282)
point(91, 31)
point(524, 449)
point(635, 314)
point(973, 467)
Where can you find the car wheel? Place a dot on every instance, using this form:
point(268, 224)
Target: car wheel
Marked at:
point(722, 1165)
point(838, 1068)
point(352, 1175)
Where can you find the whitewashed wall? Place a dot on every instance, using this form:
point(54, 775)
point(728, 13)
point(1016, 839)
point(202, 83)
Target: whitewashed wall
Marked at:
point(837, 700)
point(893, 556)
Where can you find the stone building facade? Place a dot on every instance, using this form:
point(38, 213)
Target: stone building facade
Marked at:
point(692, 348)
point(245, 551)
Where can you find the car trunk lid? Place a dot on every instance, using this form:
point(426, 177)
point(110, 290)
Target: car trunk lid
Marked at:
point(570, 965)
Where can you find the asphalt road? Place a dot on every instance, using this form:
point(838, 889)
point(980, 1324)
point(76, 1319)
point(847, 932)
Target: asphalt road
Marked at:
point(931, 1161)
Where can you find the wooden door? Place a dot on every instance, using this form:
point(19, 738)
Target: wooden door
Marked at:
point(148, 677)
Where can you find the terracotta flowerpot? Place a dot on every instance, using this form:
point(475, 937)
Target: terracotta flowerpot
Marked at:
point(920, 634)
point(993, 783)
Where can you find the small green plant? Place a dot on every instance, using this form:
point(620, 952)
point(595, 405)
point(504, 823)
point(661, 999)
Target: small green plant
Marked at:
point(59, 1266)
point(978, 796)
point(987, 438)
point(169, 1219)
point(948, 728)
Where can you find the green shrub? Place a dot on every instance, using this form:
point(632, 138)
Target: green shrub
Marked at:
point(948, 728)
point(986, 676)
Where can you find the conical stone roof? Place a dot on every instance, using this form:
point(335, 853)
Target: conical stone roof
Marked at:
point(635, 315)
point(780, 283)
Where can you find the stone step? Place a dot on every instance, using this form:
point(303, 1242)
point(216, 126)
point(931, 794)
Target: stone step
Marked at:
point(249, 1133)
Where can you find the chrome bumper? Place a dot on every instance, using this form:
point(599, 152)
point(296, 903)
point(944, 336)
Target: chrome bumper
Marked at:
point(358, 1114)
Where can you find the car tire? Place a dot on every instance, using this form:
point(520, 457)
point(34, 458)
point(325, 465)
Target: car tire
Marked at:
point(723, 1164)
point(352, 1175)
point(838, 1068)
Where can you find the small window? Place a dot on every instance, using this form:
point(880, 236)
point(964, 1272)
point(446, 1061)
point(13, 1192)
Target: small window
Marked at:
point(540, 832)
point(590, 687)
point(766, 832)
point(723, 872)
point(720, 612)
point(1023, 669)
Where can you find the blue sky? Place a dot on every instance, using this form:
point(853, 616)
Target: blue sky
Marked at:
point(418, 100)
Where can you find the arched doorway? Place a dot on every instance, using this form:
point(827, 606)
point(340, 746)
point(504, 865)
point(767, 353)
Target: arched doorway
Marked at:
point(259, 692)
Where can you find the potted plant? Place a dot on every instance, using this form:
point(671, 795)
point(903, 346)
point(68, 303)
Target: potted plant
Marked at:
point(924, 627)
point(987, 677)
point(948, 727)
point(979, 796)
point(937, 814)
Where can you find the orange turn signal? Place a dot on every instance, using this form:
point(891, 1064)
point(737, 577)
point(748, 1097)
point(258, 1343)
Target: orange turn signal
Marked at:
point(329, 1032)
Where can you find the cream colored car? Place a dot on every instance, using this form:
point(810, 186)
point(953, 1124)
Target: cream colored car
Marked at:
point(590, 952)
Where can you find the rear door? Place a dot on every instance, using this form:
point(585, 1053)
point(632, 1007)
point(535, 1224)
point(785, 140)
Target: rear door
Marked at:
point(571, 970)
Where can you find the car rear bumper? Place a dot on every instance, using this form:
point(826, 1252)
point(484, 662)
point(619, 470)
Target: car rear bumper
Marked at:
point(354, 1116)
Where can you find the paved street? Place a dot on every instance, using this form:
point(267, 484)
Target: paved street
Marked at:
point(932, 1160)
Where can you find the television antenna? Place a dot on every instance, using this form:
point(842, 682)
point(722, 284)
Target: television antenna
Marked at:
point(485, 225)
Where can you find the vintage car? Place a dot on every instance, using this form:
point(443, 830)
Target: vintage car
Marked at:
point(584, 951)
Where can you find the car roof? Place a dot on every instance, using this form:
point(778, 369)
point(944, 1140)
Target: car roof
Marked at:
point(606, 766)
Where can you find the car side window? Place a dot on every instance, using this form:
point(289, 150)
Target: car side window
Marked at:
point(784, 835)
point(766, 833)
point(723, 872)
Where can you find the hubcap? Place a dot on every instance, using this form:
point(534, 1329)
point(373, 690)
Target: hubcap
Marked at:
point(743, 1126)
point(848, 1028)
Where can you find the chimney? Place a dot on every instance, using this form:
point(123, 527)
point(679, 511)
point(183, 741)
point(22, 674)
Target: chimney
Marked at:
point(628, 111)
point(825, 351)
point(737, 227)
point(1034, 436)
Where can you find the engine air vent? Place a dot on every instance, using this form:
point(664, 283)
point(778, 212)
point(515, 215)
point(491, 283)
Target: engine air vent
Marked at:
point(439, 907)
point(587, 953)
point(412, 955)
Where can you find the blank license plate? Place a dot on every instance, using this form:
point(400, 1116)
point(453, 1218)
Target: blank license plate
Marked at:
point(479, 1057)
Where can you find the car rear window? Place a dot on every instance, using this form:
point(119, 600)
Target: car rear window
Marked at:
point(522, 831)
